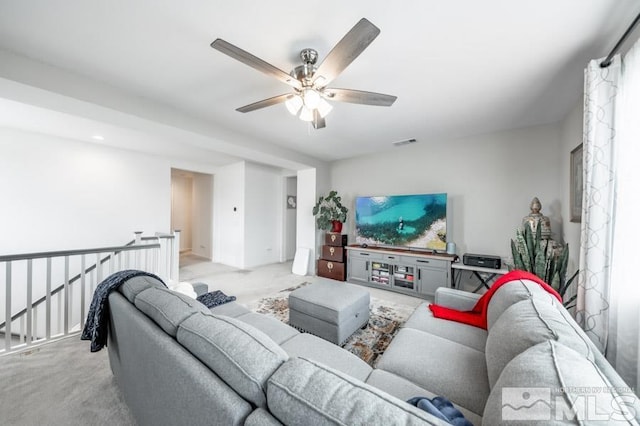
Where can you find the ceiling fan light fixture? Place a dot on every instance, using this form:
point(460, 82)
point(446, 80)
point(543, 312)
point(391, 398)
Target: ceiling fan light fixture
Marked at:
point(308, 101)
point(324, 108)
point(311, 98)
point(306, 114)
point(293, 104)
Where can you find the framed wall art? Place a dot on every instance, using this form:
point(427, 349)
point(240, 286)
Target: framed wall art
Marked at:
point(575, 182)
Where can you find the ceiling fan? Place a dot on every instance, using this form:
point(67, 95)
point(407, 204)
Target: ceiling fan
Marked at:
point(310, 93)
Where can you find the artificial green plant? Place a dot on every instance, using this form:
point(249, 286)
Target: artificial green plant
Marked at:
point(329, 209)
point(533, 254)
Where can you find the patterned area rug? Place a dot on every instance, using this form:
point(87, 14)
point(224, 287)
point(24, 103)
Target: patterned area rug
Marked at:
point(368, 343)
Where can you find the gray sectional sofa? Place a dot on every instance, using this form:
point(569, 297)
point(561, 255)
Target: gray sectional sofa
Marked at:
point(178, 362)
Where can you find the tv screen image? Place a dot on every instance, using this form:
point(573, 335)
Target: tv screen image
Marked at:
point(413, 221)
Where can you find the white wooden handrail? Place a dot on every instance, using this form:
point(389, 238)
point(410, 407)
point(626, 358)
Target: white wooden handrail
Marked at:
point(43, 313)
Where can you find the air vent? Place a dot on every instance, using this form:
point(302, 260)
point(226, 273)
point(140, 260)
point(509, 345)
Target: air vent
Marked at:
point(404, 142)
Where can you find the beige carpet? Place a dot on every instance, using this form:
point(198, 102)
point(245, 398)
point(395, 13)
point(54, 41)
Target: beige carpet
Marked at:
point(60, 383)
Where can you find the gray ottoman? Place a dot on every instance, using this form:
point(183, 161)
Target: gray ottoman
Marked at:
point(329, 309)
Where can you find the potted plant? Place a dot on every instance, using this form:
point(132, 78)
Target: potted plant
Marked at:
point(534, 254)
point(330, 213)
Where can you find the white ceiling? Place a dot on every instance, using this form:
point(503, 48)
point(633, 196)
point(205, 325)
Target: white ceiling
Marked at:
point(458, 67)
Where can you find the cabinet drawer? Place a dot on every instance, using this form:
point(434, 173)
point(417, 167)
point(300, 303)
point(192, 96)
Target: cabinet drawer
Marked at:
point(365, 254)
point(408, 260)
point(335, 239)
point(391, 257)
point(336, 254)
point(432, 263)
point(333, 270)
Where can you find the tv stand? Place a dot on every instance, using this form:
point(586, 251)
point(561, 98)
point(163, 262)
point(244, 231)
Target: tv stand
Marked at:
point(414, 272)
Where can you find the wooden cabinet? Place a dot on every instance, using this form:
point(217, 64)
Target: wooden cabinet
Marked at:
point(429, 279)
point(333, 270)
point(333, 256)
point(336, 254)
point(335, 240)
point(415, 273)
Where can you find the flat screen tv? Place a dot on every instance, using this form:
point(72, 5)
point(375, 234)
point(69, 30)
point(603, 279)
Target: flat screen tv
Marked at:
point(416, 221)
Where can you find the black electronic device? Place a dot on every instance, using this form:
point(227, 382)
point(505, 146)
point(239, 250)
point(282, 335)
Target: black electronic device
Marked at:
point(482, 260)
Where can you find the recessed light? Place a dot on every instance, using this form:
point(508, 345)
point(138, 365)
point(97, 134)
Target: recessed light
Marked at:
point(98, 137)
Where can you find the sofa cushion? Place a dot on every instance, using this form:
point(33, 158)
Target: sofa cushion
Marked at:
point(134, 286)
point(261, 417)
point(512, 293)
point(423, 319)
point(600, 361)
point(308, 346)
point(243, 356)
point(304, 392)
point(444, 367)
point(278, 331)
point(167, 308)
point(404, 389)
point(549, 384)
point(526, 324)
point(231, 309)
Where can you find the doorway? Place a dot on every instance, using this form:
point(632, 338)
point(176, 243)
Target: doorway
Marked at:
point(192, 211)
point(291, 205)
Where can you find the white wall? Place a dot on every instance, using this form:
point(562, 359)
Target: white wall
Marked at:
point(228, 215)
point(291, 188)
point(202, 234)
point(247, 215)
point(571, 138)
point(60, 194)
point(181, 209)
point(263, 215)
point(306, 224)
point(490, 181)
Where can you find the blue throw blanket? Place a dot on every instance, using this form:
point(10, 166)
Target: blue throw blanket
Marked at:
point(214, 298)
point(95, 328)
point(442, 408)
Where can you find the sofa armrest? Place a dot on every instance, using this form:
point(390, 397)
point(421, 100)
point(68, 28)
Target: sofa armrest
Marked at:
point(456, 299)
point(200, 288)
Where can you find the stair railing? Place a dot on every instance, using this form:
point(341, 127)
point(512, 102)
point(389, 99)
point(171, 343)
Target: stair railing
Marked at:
point(26, 276)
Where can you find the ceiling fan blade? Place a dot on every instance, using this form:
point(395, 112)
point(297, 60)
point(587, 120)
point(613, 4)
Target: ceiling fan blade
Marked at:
point(265, 103)
point(359, 97)
point(347, 49)
point(318, 122)
point(254, 62)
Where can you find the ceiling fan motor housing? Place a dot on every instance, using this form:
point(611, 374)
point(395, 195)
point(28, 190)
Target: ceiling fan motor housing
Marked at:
point(304, 73)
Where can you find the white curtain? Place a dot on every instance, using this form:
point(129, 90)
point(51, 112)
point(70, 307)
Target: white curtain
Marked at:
point(592, 307)
point(624, 331)
point(608, 291)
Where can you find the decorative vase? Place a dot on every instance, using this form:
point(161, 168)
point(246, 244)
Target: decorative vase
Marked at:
point(336, 226)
